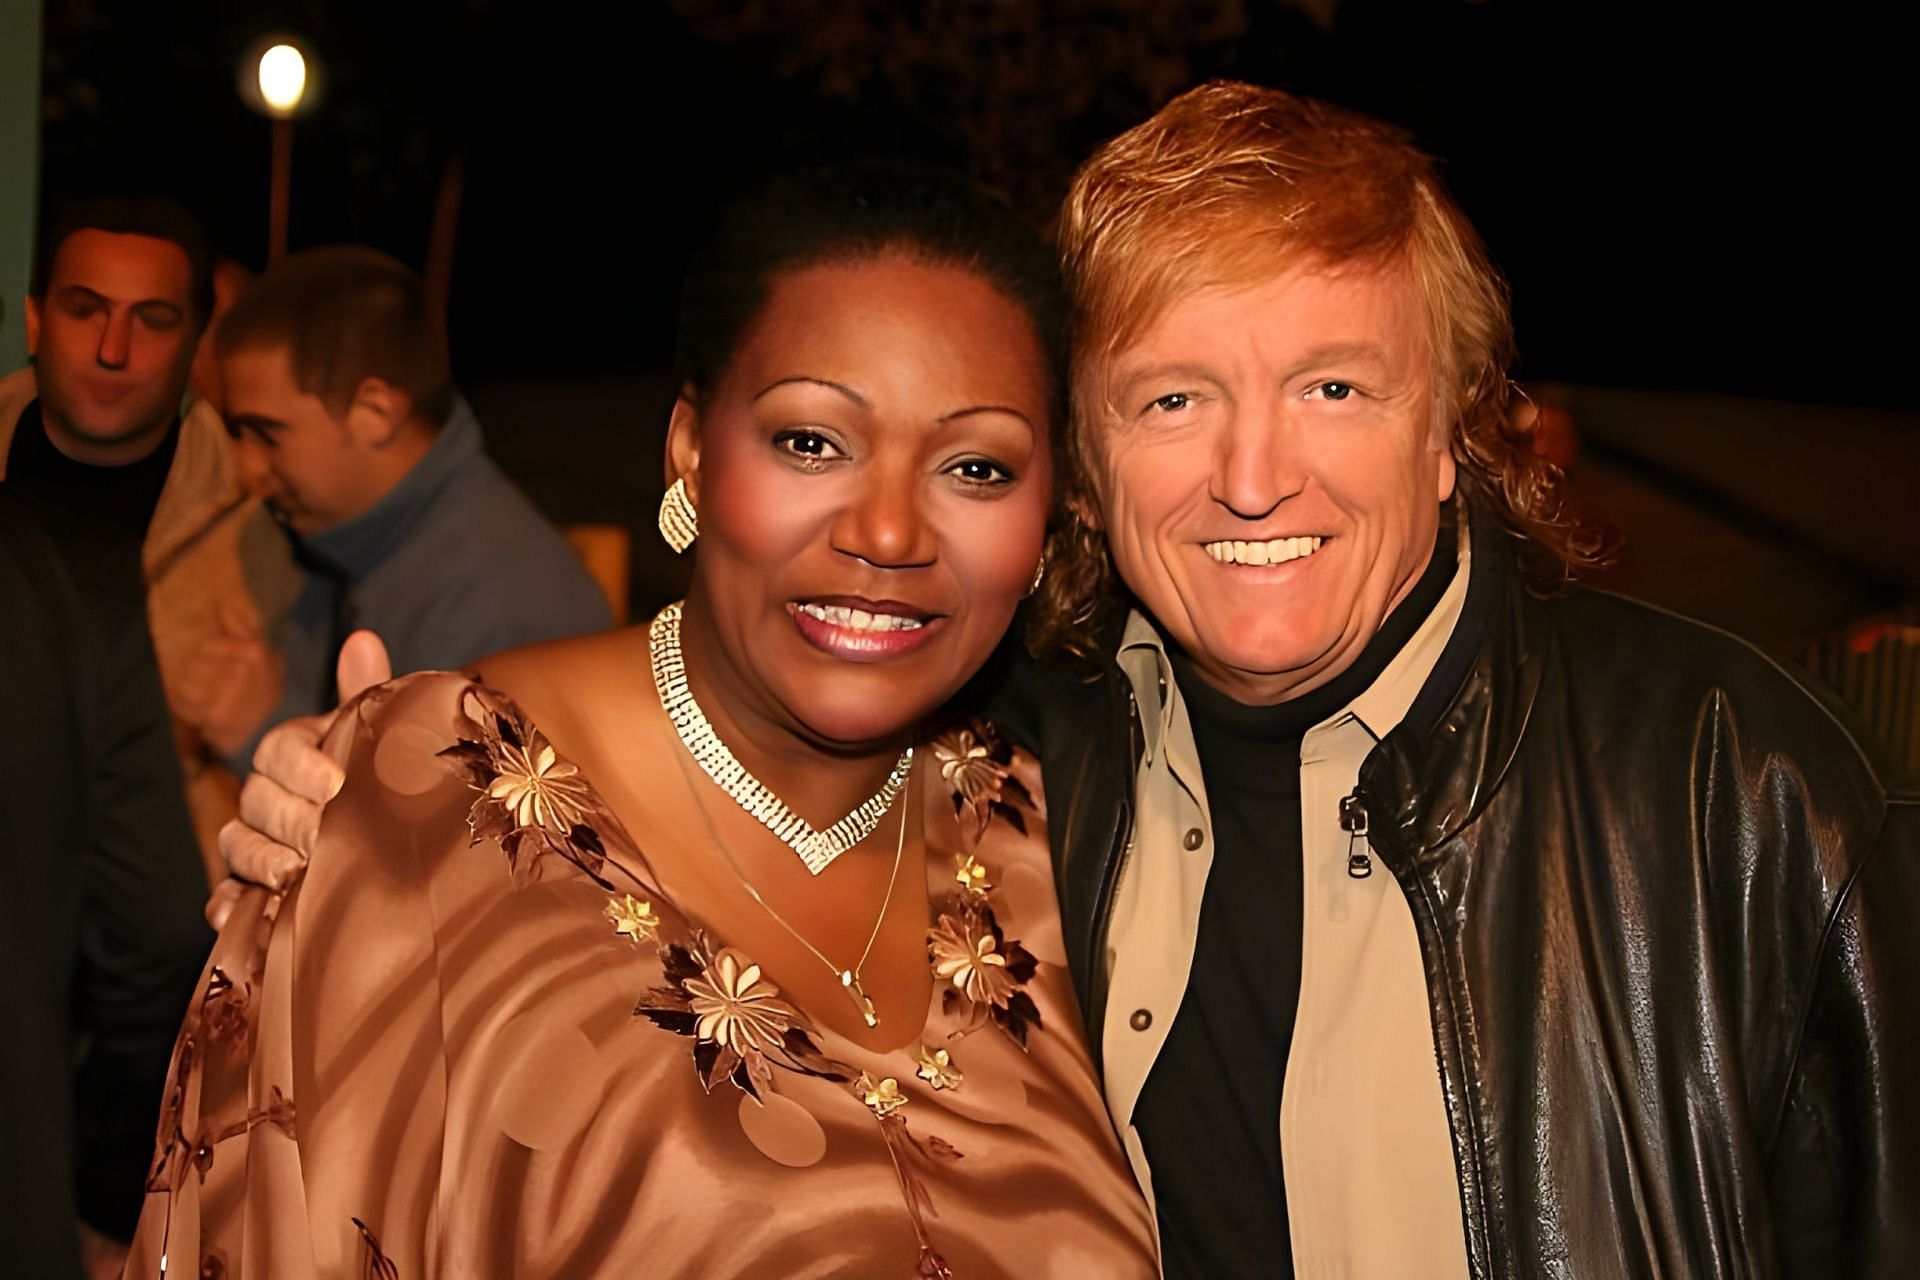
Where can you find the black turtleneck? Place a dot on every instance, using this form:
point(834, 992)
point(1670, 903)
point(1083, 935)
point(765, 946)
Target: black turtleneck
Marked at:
point(1209, 1113)
point(97, 515)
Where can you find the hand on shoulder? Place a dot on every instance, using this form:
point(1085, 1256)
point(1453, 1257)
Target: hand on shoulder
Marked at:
point(292, 781)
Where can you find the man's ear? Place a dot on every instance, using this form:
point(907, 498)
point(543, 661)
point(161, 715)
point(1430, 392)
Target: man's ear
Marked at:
point(683, 445)
point(1082, 483)
point(32, 311)
point(1440, 443)
point(377, 412)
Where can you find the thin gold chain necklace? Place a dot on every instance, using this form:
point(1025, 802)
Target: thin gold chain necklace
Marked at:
point(849, 977)
point(817, 849)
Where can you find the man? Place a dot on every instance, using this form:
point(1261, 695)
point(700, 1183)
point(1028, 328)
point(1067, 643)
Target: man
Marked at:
point(1431, 917)
point(339, 394)
point(145, 502)
point(112, 504)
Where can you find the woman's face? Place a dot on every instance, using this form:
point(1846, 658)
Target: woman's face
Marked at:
point(872, 479)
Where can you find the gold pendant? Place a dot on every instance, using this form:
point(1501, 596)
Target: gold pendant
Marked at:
point(857, 994)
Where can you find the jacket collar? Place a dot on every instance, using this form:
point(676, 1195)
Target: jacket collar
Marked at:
point(1437, 771)
point(357, 546)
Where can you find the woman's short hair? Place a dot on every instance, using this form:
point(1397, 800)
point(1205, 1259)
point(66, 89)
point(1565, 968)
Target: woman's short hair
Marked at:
point(1232, 183)
point(858, 212)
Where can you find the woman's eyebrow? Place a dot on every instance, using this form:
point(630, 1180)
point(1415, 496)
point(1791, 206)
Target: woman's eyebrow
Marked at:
point(984, 408)
point(830, 385)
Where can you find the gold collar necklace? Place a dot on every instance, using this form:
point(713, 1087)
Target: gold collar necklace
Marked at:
point(817, 849)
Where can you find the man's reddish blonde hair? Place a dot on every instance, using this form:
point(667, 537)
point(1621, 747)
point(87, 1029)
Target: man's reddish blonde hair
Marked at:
point(1232, 183)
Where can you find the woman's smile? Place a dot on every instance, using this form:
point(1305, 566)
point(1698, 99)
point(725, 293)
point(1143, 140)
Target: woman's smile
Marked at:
point(861, 630)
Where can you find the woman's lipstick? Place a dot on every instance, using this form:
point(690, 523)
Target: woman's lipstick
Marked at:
point(861, 630)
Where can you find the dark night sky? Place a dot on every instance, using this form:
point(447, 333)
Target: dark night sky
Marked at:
point(1677, 205)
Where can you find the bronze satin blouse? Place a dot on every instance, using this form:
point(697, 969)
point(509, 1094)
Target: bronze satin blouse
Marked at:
point(474, 1041)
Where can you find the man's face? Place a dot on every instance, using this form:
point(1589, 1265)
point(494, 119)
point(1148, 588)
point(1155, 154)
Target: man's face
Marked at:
point(1270, 468)
point(112, 342)
point(308, 464)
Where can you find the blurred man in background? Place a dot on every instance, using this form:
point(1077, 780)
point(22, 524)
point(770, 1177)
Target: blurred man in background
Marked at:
point(340, 397)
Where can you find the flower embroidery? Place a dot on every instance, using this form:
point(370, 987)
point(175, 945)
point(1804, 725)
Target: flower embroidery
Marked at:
point(226, 1008)
point(537, 787)
point(967, 766)
point(971, 876)
point(982, 967)
point(970, 959)
point(736, 1007)
point(633, 920)
point(741, 1028)
point(531, 801)
point(937, 1069)
point(374, 1264)
point(882, 1095)
point(975, 765)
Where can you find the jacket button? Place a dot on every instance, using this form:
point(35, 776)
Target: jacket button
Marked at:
point(1194, 839)
point(1141, 1019)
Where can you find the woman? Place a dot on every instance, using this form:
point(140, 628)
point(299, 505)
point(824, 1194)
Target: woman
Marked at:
point(573, 984)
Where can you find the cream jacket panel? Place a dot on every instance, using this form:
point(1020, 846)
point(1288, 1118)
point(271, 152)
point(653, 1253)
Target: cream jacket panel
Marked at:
point(1372, 1189)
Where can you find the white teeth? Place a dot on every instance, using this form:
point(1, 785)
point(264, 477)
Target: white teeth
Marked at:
point(860, 619)
point(1276, 551)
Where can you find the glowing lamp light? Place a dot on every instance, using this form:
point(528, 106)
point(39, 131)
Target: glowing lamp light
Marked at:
point(283, 79)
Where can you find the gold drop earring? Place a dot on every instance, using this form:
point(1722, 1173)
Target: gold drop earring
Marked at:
point(679, 522)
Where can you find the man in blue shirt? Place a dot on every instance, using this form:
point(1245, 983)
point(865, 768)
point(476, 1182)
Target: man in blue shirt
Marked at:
point(340, 397)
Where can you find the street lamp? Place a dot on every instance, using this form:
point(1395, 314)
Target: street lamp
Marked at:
point(283, 79)
point(275, 80)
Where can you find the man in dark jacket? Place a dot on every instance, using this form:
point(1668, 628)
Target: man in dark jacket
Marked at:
point(1432, 917)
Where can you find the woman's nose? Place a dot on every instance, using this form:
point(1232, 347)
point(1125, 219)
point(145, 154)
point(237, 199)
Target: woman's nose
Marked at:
point(885, 525)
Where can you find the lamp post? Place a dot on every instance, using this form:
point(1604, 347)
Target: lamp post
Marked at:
point(281, 78)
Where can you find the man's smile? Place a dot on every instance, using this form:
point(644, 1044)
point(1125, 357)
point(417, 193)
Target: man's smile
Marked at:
point(1268, 552)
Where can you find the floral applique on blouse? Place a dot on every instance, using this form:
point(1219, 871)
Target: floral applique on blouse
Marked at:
point(536, 805)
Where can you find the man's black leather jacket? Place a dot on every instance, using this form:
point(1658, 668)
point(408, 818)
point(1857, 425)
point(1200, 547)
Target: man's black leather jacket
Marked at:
point(1670, 914)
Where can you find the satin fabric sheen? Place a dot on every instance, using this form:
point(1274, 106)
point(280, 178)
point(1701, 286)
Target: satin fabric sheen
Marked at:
point(472, 1092)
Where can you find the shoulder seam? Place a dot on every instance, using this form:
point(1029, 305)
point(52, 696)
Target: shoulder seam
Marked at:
point(1797, 681)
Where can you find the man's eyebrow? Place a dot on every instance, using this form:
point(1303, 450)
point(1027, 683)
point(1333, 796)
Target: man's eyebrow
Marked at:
point(257, 423)
point(1334, 352)
point(1184, 370)
point(830, 385)
point(80, 293)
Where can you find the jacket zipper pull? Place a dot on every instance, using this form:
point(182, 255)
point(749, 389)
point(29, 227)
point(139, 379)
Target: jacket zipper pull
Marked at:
point(1353, 821)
